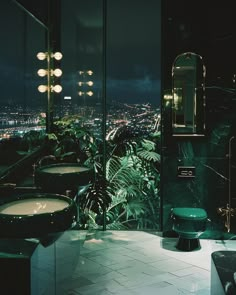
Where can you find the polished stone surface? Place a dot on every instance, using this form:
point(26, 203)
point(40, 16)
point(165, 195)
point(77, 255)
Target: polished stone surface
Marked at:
point(124, 263)
point(140, 263)
point(224, 272)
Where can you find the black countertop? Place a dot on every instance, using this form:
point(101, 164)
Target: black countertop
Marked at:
point(225, 263)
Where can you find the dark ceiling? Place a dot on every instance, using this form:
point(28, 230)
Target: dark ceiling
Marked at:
point(205, 27)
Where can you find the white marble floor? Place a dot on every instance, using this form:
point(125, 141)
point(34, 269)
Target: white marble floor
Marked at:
point(138, 263)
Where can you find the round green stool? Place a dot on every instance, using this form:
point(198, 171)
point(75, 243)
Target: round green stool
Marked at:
point(189, 224)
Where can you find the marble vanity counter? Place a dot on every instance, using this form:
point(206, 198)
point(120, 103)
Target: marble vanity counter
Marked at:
point(223, 272)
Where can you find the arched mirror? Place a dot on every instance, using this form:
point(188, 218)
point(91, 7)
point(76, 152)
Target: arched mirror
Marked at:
point(188, 92)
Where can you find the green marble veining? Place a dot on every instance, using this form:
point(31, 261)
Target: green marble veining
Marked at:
point(209, 155)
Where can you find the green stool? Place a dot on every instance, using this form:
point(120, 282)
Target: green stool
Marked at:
point(189, 223)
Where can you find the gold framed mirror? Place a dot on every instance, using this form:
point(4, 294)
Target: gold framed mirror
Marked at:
point(188, 95)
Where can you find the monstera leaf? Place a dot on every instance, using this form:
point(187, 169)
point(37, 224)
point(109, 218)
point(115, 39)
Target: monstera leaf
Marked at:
point(148, 155)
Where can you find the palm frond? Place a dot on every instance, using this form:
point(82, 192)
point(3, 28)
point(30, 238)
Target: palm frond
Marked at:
point(149, 155)
point(120, 174)
point(135, 208)
point(148, 145)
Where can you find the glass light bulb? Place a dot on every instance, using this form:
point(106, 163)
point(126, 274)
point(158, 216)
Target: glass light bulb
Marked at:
point(42, 72)
point(90, 93)
point(57, 72)
point(57, 55)
point(41, 55)
point(42, 88)
point(90, 83)
point(57, 88)
point(89, 72)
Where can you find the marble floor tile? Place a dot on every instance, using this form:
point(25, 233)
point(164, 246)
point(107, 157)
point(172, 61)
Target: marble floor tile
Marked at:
point(137, 263)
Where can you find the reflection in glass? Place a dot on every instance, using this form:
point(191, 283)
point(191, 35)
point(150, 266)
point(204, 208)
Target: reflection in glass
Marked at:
point(188, 78)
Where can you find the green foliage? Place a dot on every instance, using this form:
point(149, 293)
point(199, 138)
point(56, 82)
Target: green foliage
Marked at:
point(125, 193)
point(96, 197)
point(132, 173)
point(71, 142)
point(32, 140)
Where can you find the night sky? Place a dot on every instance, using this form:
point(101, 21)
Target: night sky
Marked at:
point(141, 43)
point(132, 48)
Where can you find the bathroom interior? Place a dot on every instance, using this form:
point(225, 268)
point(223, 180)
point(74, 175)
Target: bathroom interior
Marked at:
point(117, 125)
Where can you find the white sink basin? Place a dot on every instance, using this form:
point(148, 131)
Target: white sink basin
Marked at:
point(35, 215)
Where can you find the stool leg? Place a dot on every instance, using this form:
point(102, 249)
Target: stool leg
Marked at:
point(188, 244)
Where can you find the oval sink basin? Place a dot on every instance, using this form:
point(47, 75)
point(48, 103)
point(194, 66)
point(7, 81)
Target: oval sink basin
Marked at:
point(36, 215)
point(61, 177)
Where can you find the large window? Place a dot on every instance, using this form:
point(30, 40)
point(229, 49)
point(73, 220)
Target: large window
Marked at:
point(109, 105)
point(133, 113)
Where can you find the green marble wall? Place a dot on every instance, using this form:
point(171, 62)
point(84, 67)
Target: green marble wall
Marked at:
point(209, 189)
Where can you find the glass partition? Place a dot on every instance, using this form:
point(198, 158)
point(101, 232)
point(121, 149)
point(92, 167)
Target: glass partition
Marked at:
point(82, 63)
point(133, 113)
point(107, 115)
point(22, 108)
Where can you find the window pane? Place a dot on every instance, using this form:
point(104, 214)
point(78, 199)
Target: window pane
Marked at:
point(133, 118)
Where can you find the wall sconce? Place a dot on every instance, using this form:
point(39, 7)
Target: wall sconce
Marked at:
point(46, 55)
point(49, 72)
point(89, 72)
point(43, 72)
point(89, 93)
point(89, 83)
point(85, 84)
point(56, 88)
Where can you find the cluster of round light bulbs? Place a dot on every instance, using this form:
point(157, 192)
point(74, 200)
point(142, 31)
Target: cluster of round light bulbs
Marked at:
point(44, 72)
point(89, 72)
point(56, 72)
point(44, 55)
point(89, 93)
point(89, 83)
point(44, 88)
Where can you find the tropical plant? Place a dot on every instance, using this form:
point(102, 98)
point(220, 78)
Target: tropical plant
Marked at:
point(31, 140)
point(132, 183)
point(71, 142)
point(125, 193)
